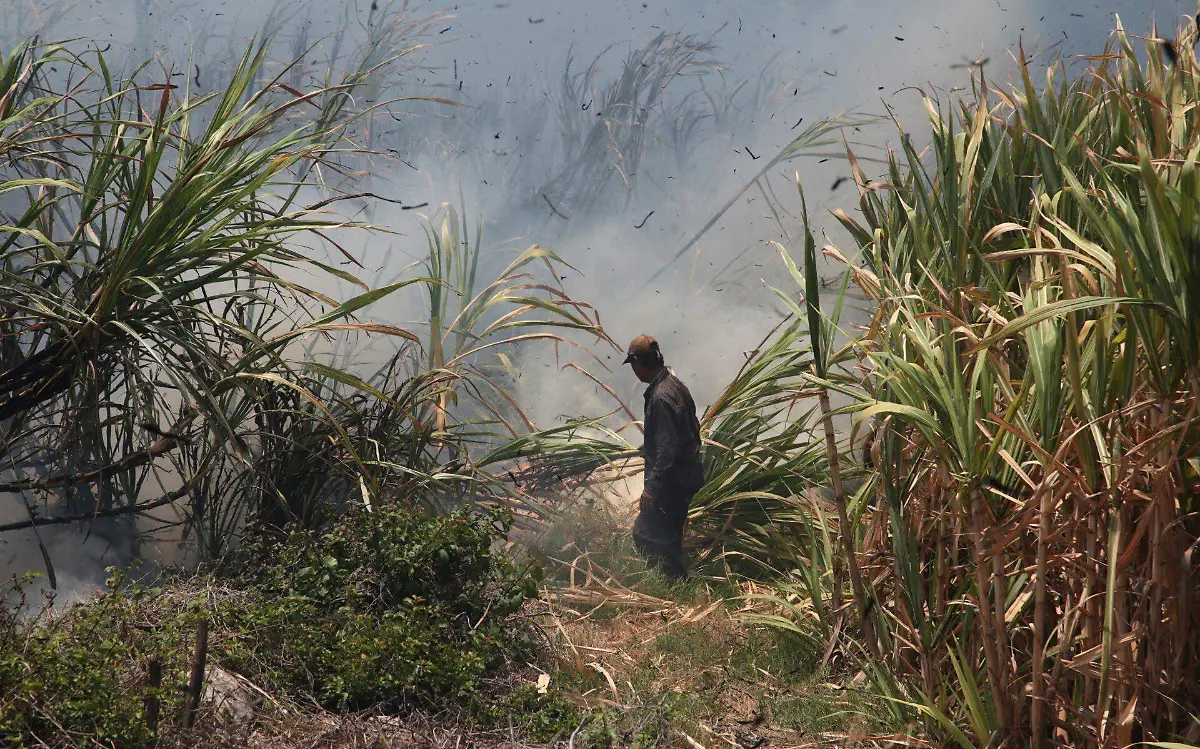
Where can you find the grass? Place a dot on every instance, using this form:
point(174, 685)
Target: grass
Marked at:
point(712, 677)
point(652, 667)
point(699, 658)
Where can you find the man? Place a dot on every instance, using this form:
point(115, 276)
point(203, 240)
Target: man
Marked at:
point(672, 454)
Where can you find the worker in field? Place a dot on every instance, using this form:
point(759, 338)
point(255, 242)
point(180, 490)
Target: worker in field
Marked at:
point(672, 454)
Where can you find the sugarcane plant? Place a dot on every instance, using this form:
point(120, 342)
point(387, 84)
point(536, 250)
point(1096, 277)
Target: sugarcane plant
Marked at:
point(605, 129)
point(1034, 373)
point(821, 334)
point(158, 349)
point(149, 243)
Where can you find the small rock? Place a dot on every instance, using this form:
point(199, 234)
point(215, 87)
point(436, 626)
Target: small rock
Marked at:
point(231, 696)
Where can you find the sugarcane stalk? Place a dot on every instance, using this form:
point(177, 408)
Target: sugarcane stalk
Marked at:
point(1037, 708)
point(839, 497)
point(987, 626)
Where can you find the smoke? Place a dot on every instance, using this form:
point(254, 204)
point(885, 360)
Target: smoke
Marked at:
point(506, 60)
point(764, 70)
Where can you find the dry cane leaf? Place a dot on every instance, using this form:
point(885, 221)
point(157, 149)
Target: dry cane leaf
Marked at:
point(608, 677)
point(692, 742)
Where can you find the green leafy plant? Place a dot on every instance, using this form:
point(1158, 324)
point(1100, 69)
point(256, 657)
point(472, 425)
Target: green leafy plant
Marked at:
point(1036, 386)
point(81, 676)
point(388, 606)
point(389, 609)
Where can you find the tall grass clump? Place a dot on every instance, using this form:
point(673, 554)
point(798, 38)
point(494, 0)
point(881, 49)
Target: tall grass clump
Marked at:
point(151, 243)
point(1035, 374)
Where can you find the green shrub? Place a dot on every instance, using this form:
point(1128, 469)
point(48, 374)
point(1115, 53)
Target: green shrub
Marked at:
point(388, 607)
point(55, 685)
point(540, 717)
point(79, 677)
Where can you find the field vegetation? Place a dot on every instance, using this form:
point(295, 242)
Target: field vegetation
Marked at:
point(1001, 550)
point(1017, 545)
point(1031, 522)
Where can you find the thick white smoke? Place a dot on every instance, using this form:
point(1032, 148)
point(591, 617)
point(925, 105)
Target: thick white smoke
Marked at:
point(503, 61)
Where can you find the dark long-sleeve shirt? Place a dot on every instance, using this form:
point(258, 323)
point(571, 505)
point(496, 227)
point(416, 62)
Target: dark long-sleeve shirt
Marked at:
point(672, 447)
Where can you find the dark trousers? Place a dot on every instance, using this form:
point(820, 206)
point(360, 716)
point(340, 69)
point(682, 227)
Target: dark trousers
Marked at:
point(658, 530)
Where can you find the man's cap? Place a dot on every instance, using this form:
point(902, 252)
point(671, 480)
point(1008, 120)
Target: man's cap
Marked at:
point(643, 347)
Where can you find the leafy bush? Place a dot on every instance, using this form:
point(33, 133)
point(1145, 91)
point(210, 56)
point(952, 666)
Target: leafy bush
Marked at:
point(53, 684)
point(389, 606)
point(82, 674)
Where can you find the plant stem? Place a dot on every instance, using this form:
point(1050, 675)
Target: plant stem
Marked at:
point(839, 497)
point(987, 626)
point(196, 682)
point(1037, 717)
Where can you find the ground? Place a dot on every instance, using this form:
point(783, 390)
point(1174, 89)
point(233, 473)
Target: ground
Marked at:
point(648, 665)
point(699, 663)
